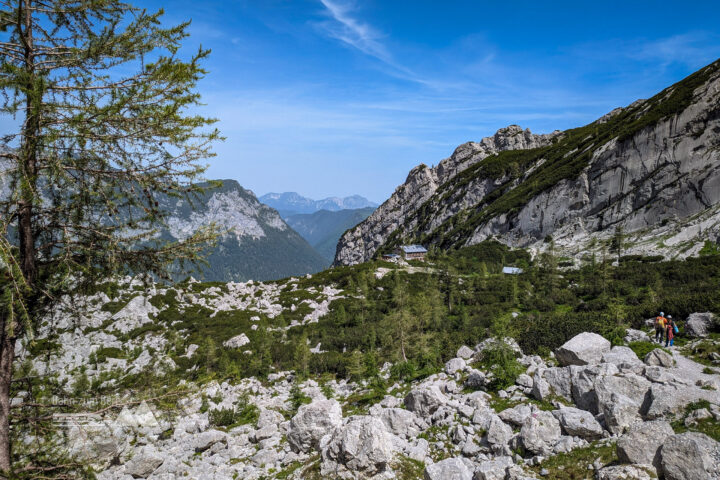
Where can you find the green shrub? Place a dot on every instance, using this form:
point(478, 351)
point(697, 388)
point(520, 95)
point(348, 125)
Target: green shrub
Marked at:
point(222, 417)
point(501, 361)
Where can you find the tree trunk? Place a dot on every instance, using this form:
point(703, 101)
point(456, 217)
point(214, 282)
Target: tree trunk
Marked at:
point(7, 355)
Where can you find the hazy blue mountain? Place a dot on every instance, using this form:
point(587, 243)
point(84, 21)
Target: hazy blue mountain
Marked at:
point(324, 228)
point(292, 203)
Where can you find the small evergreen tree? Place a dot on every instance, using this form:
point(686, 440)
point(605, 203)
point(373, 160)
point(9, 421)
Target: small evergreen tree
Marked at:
point(101, 96)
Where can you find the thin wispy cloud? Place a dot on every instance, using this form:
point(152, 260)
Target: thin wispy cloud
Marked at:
point(348, 29)
point(353, 32)
point(689, 49)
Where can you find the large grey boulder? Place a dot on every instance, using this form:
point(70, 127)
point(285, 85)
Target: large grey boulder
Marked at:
point(627, 472)
point(622, 357)
point(659, 358)
point(578, 423)
point(312, 422)
point(583, 349)
point(448, 469)
point(96, 443)
point(699, 324)
point(401, 422)
point(622, 399)
point(465, 352)
point(455, 365)
point(425, 400)
point(495, 469)
point(583, 384)
point(554, 381)
point(203, 441)
point(517, 414)
point(144, 462)
point(540, 432)
point(362, 448)
point(690, 456)
point(672, 398)
point(643, 441)
point(498, 433)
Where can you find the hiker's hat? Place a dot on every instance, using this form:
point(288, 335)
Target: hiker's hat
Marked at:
point(662, 314)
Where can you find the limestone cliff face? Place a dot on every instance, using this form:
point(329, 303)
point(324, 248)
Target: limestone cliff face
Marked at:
point(360, 244)
point(652, 168)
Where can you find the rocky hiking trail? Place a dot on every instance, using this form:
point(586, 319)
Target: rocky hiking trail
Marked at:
point(590, 410)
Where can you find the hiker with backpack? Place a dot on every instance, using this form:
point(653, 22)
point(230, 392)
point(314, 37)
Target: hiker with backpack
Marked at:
point(660, 322)
point(671, 330)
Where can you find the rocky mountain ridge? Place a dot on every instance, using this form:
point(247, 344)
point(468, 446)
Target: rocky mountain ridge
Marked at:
point(292, 203)
point(651, 169)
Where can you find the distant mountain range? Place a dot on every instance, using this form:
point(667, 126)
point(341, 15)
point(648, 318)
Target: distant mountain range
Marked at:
point(323, 229)
point(292, 203)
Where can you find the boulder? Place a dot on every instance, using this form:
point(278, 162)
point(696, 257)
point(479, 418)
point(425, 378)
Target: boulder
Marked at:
point(671, 399)
point(425, 400)
point(465, 352)
point(363, 445)
point(401, 422)
point(627, 472)
point(237, 341)
point(144, 462)
point(699, 325)
point(578, 423)
point(517, 414)
point(455, 365)
point(554, 381)
point(498, 432)
point(660, 358)
point(583, 384)
point(540, 432)
point(95, 443)
point(620, 413)
point(643, 441)
point(690, 456)
point(622, 357)
point(205, 440)
point(312, 422)
point(524, 380)
point(583, 349)
point(629, 385)
point(448, 469)
point(495, 469)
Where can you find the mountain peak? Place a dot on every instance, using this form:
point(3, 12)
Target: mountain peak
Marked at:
point(291, 203)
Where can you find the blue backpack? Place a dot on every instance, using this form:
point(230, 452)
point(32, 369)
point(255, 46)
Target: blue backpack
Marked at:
point(675, 328)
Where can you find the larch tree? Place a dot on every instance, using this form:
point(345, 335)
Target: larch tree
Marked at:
point(103, 104)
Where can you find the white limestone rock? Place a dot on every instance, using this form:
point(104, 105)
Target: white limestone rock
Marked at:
point(579, 423)
point(643, 441)
point(312, 422)
point(237, 341)
point(583, 349)
point(690, 456)
point(448, 469)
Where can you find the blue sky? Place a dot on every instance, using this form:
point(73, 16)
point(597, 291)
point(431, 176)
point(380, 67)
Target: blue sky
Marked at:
point(335, 97)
